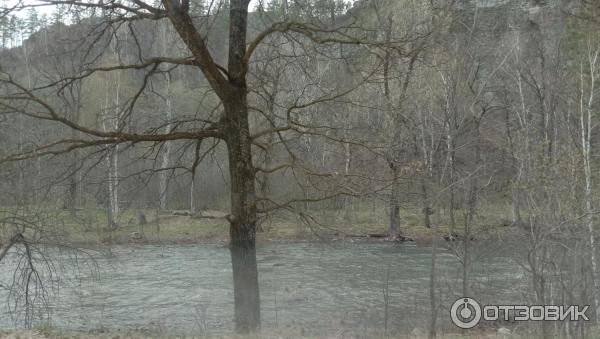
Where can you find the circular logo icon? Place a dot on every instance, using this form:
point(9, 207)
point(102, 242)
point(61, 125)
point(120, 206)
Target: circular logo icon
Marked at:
point(465, 313)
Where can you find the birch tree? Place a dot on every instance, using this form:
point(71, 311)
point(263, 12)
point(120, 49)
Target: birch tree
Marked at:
point(586, 114)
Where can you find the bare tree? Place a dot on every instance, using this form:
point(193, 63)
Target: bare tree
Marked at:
point(232, 125)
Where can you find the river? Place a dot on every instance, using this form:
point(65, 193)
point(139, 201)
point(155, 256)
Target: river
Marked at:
point(313, 287)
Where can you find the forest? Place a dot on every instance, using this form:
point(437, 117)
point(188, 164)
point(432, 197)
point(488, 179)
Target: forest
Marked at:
point(298, 168)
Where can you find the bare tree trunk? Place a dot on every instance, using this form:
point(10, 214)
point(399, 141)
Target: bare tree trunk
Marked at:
point(347, 151)
point(395, 202)
point(432, 296)
point(586, 130)
point(112, 156)
point(194, 169)
point(471, 210)
point(113, 173)
point(71, 198)
point(514, 189)
point(243, 217)
point(113, 183)
point(427, 211)
point(193, 193)
point(450, 121)
point(164, 174)
point(73, 102)
point(395, 220)
point(22, 180)
point(452, 169)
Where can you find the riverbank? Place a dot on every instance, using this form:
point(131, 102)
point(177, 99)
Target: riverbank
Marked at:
point(113, 334)
point(87, 227)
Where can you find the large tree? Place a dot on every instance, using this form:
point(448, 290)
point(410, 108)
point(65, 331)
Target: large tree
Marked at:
point(231, 89)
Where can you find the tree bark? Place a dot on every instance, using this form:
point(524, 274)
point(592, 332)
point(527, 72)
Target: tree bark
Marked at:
point(164, 174)
point(473, 200)
point(243, 216)
point(393, 160)
point(395, 202)
point(586, 130)
point(432, 297)
point(112, 163)
point(232, 91)
point(451, 199)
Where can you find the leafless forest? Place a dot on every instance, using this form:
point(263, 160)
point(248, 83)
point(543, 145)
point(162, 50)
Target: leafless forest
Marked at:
point(451, 126)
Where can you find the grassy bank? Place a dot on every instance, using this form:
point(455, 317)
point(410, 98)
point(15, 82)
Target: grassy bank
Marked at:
point(88, 226)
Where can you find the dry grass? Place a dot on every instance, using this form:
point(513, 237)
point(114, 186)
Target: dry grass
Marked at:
point(88, 226)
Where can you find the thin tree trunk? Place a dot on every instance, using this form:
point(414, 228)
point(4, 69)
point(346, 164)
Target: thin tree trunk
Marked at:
point(112, 159)
point(22, 180)
point(395, 202)
point(71, 198)
point(586, 129)
point(472, 208)
point(515, 201)
point(164, 174)
point(426, 209)
point(451, 198)
point(347, 150)
point(427, 221)
point(432, 296)
point(113, 183)
point(394, 229)
point(192, 193)
point(193, 177)
point(74, 180)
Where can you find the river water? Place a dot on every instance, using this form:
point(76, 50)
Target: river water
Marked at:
point(315, 287)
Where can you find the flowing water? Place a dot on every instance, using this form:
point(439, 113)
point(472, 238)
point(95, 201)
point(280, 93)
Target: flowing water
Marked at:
point(316, 287)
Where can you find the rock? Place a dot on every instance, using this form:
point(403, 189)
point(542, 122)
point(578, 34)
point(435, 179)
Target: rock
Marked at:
point(456, 237)
point(417, 332)
point(503, 331)
point(399, 238)
point(451, 237)
point(136, 236)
